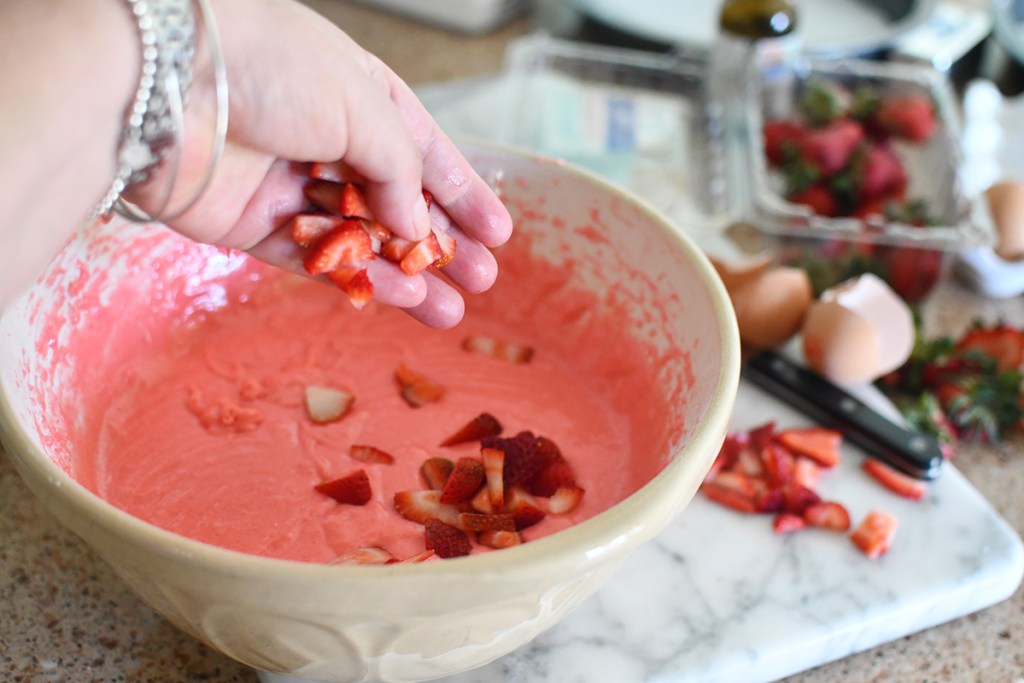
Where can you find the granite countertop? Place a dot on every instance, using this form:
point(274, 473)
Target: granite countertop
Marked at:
point(67, 617)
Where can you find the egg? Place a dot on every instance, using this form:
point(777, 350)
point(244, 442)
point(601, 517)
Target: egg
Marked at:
point(770, 305)
point(1006, 203)
point(858, 331)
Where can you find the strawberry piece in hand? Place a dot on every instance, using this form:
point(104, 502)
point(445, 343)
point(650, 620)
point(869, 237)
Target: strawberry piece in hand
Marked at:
point(417, 390)
point(480, 427)
point(894, 480)
point(327, 404)
point(352, 489)
point(355, 282)
point(307, 229)
point(875, 534)
point(817, 443)
point(464, 482)
point(347, 245)
point(421, 255)
point(446, 540)
point(352, 203)
point(333, 171)
point(370, 455)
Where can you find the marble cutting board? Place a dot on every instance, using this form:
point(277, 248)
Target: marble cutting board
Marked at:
point(719, 598)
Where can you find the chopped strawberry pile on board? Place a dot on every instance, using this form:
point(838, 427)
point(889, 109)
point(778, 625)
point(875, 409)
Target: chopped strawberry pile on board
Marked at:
point(772, 471)
point(341, 235)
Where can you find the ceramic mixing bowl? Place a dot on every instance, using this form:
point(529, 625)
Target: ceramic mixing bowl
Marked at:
point(401, 622)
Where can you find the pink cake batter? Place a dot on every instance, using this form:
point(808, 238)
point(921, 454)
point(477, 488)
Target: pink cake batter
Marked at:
point(254, 341)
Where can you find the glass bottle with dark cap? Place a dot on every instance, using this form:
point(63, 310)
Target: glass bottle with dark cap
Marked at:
point(757, 41)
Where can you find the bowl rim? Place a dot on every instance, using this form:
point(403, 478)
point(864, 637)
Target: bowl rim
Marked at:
point(591, 540)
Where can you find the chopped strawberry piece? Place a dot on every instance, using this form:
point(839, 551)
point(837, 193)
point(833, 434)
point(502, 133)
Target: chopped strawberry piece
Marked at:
point(770, 500)
point(524, 456)
point(308, 228)
point(419, 557)
point(750, 464)
point(435, 472)
point(737, 481)
point(352, 203)
point(556, 474)
point(447, 244)
point(446, 540)
point(352, 489)
point(464, 482)
point(324, 195)
point(875, 534)
point(481, 426)
point(474, 521)
point(422, 506)
point(806, 472)
point(819, 444)
point(347, 245)
point(728, 453)
point(333, 171)
point(729, 497)
point(1004, 343)
point(422, 255)
point(417, 389)
point(497, 348)
point(787, 522)
point(894, 480)
point(524, 508)
point(759, 437)
point(373, 554)
point(482, 500)
point(355, 282)
point(395, 248)
point(327, 404)
point(565, 500)
point(796, 498)
point(370, 455)
point(827, 515)
point(494, 472)
point(779, 464)
point(500, 539)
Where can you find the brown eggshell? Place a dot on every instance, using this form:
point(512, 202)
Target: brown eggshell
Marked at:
point(858, 331)
point(770, 308)
point(1006, 202)
point(735, 274)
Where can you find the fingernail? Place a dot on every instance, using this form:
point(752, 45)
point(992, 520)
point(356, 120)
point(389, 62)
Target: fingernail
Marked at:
point(420, 218)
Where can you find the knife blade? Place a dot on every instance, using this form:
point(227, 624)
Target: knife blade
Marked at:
point(906, 449)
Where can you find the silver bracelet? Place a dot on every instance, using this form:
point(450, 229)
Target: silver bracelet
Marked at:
point(154, 122)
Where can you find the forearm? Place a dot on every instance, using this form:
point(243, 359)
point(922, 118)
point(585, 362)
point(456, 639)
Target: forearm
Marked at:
point(67, 71)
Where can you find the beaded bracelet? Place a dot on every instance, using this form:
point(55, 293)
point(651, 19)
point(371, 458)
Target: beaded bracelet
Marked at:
point(154, 122)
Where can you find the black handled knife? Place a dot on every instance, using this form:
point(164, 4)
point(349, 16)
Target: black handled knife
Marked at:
point(904, 448)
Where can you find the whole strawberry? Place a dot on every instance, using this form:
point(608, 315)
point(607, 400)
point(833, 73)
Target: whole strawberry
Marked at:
point(910, 116)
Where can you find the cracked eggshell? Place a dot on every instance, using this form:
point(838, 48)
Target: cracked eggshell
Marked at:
point(858, 331)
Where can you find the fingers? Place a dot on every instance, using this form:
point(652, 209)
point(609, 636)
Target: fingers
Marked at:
point(442, 308)
point(451, 179)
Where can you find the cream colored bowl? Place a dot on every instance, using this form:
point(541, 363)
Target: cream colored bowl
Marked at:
point(397, 622)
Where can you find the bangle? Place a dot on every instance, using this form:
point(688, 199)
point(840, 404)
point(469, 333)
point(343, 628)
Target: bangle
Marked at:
point(154, 122)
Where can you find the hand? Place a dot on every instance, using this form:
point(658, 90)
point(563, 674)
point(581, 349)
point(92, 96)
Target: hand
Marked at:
point(304, 91)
